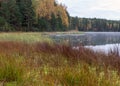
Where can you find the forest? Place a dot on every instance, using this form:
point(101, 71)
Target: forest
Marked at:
point(32, 15)
point(94, 24)
point(47, 15)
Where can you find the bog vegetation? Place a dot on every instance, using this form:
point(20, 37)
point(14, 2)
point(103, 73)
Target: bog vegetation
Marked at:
point(49, 64)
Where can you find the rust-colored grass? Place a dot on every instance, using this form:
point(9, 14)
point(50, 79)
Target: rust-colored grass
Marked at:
point(44, 64)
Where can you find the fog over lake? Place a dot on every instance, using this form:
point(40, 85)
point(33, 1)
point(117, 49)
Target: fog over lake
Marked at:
point(98, 41)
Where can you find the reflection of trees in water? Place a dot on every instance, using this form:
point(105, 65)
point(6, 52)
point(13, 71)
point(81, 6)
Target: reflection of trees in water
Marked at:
point(113, 39)
point(100, 38)
point(87, 39)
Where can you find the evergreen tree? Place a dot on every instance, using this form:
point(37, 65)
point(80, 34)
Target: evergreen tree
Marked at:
point(2, 22)
point(53, 22)
point(60, 25)
point(28, 15)
point(43, 24)
point(10, 11)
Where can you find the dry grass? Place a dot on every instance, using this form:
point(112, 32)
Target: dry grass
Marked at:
point(44, 64)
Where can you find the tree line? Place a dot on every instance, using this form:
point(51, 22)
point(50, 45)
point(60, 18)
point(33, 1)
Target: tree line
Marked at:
point(94, 24)
point(47, 15)
point(32, 15)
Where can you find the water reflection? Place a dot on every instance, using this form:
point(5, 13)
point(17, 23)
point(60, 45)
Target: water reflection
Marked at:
point(105, 48)
point(101, 38)
point(88, 38)
point(98, 41)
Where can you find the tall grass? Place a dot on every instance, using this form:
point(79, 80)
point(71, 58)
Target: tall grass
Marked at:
point(44, 64)
point(29, 37)
point(10, 69)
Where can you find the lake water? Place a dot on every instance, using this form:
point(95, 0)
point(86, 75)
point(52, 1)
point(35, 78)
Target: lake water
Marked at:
point(105, 48)
point(98, 41)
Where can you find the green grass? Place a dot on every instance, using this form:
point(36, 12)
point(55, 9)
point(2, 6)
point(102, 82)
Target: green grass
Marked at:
point(69, 32)
point(10, 68)
point(29, 37)
point(11, 84)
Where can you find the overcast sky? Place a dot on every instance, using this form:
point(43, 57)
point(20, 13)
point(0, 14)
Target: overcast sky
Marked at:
point(109, 9)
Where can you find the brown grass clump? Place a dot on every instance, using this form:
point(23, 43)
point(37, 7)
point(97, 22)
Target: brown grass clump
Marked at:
point(66, 51)
point(112, 59)
point(47, 64)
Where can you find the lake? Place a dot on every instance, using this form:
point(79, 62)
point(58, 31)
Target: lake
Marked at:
point(98, 41)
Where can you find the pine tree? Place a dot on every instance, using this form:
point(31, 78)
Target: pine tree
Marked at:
point(10, 11)
point(28, 15)
point(60, 24)
point(53, 22)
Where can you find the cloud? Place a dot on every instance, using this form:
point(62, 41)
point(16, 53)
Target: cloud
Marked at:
point(109, 9)
point(108, 5)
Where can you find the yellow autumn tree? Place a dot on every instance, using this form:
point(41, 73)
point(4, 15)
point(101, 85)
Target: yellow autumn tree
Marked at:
point(45, 8)
point(61, 10)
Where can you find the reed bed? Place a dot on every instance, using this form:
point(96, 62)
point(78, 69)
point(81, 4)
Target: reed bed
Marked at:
point(45, 64)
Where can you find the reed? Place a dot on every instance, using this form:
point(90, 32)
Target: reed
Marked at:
point(45, 64)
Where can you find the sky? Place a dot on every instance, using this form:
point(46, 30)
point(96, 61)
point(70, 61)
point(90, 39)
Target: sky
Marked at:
point(107, 9)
